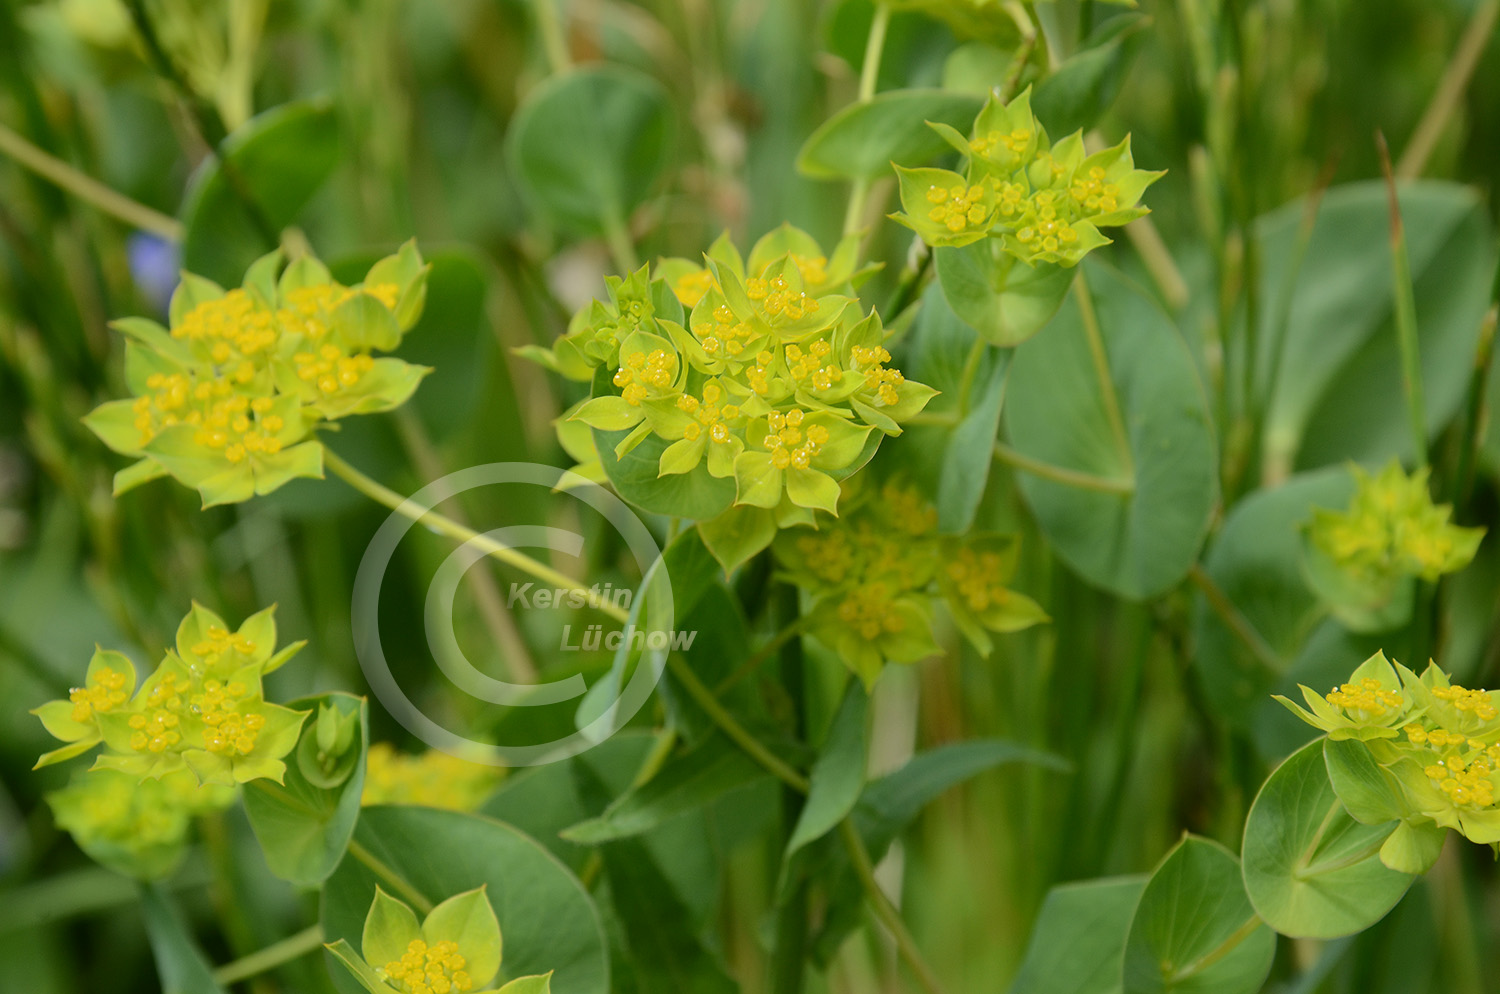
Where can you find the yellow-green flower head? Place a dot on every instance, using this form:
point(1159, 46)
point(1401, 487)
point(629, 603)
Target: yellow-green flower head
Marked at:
point(771, 380)
point(139, 829)
point(1378, 699)
point(107, 686)
point(225, 400)
point(201, 710)
point(876, 572)
point(456, 949)
point(1045, 202)
point(431, 779)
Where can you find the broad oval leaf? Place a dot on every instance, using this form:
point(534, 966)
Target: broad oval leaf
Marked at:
point(1078, 943)
point(695, 495)
point(303, 828)
point(1255, 561)
point(547, 919)
point(1311, 871)
point(278, 160)
point(1194, 930)
point(862, 140)
point(1141, 538)
point(588, 144)
point(1004, 299)
point(1339, 388)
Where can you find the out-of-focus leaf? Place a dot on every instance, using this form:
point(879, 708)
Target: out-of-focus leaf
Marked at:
point(862, 140)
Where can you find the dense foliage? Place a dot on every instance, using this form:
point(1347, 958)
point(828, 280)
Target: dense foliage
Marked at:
point(764, 496)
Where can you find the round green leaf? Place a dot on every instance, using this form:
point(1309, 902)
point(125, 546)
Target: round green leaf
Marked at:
point(695, 495)
point(547, 920)
point(1339, 389)
point(1256, 561)
point(279, 159)
point(304, 828)
point(1137, 543)
point(1004, 299)
point(862, 140)
point(586, 145)
point(1312, 871)
point(1194, 929)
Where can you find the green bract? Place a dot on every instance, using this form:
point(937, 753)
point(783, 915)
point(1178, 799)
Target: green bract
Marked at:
point(1361, 560)
point(773, 379)
point(455, 949)
point(1426, 756)
point(226, 399)
point(201, 710)
point(1045, 202)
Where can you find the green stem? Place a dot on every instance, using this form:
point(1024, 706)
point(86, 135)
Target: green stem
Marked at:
point(1450, 90)
point(1061, 474)
point(887, 912)
point(788, 632)
point(1406, 314)
point(464, 534)
point(1090, 320)
point(397, 882)
point(731, 727)
point(970, 371)
point(86, 188)
point(621, 248)
point(1234, 620)
point(292, 947)
point(554, 39)
point(869, 75)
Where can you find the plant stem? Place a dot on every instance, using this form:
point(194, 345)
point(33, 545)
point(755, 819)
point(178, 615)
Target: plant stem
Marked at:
point(86, 188)
point(1061, 474)
point(1158, 260)
point(969, 372)
point(1234, 620)
point(869, 75)
point(859, 856)
point(621, 247)
point(731, 727)
point(397, 882)
point(487, 596)
point(554, 39)
point(288, 949)
point(1406, 314)
point(464, 534)
point(788, 632)
point(1090, 320)
point(1450, 89)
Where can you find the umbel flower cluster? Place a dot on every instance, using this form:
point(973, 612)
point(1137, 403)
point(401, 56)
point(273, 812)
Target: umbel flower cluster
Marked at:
point(225, 400)
point(1044, 203)
point(201, 710)
point(1362, 559)
point(456, 949)
point(763, 370)
point(875, 574)
point(431, 779)
point(1435, 748)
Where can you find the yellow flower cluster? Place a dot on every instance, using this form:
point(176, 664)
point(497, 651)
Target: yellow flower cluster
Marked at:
point(424, 969)
point(1046, 203)
point(431, 779)
point(763, 371)
point(200, 713)
point(875, 573)
point(227, 397)
point(1435, 746)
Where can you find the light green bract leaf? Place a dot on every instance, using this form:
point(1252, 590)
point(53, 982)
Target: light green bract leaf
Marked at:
point(1311, 870)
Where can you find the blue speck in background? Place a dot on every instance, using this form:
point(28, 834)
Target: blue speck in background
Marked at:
point(154, 262)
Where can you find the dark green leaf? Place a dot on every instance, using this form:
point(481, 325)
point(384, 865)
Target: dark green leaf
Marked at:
point(862, 140)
